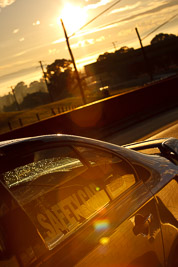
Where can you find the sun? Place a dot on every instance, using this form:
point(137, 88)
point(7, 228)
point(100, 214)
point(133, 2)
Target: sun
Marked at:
point(74, 17)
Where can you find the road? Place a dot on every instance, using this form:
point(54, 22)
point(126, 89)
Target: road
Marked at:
point(169, 131)
point(162, 125)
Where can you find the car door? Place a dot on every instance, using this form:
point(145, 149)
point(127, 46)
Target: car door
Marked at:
point(128, 228)
point(167, 199)
point(89, 208)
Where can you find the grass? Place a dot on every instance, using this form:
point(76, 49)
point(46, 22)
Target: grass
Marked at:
point(13, 120)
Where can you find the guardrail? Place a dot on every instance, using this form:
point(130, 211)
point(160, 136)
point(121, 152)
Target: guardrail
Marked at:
point(91, 120)
point(36, 117)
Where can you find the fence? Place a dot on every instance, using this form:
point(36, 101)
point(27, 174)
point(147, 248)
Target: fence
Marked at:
point(23, 121)
point(92, 119)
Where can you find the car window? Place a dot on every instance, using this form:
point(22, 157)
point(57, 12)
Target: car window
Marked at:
point(44, 162)
point(61, 189)
point(57, 191)
point(116, 174)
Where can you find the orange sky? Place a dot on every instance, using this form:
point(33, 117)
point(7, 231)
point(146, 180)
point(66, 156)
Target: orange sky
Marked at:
point(31, 32)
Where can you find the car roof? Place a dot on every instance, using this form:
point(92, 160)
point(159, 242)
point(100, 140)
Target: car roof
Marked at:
point(14, 146)
point(64, 137)
point(6, 145)
point(10, 147)
point(19, 140)
point(47, 138)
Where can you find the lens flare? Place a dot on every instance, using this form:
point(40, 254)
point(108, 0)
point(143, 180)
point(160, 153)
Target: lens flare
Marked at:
point(90, 116)
point(104, 240)
point(101, 225)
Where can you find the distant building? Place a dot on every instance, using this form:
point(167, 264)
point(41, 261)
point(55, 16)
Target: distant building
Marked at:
point(114, 69)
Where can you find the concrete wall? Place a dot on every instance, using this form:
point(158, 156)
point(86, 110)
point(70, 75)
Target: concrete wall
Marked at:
point(93, 119)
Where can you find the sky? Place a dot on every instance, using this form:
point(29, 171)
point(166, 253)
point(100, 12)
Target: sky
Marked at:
point(31, 31)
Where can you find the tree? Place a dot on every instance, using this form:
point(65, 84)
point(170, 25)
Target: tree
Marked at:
point(60, 78)
point(162, 37)
point(37, 86)
point(20, 91)
point(105, 56)
point(35, 99)
point(125, 49)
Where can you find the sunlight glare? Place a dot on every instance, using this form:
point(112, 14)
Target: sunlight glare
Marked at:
point(74, 17)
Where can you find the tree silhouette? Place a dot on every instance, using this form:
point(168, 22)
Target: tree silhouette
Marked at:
point(162, 37)
point(35, 99)
point(20, 91)
point(105, 56)
point(60, 78)
point(125, 49)
point(37, 86)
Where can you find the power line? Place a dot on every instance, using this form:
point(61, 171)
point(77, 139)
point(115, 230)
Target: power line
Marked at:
point(158, 27)
point(105, 25)
point(118, 21)
point(100, 14)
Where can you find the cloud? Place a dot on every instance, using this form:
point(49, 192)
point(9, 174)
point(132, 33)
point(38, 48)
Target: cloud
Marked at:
point(125, 8)
point(15, 31)
point(153, 10)
point(15, 64)
point(21, 39)
point(154, 7)
point(61, 40)
point(4, 3)
point(145, 12)
point(138, 13)
point(19, 54)
point(83, 43)
point(157, 3)
point(53, 51)
point(16, 73)
point(95, 30)
point(89, 59)
point(100, 39)
point(87, 32)
point(98, 4)
point(32, 49)
point(88, 42)
point(36, 23)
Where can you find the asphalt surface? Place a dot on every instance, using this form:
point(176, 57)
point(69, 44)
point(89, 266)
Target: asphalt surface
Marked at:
point(170, 131)
point(163, 125)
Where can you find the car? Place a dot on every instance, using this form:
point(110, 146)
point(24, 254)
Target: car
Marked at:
point(74, 201)
point(104, 91)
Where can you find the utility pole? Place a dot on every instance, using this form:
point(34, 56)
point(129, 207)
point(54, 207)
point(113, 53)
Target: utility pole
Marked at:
point(47, 85)
point(73, 61)
point(145, 57)
point(13, 92)
point(114, 44)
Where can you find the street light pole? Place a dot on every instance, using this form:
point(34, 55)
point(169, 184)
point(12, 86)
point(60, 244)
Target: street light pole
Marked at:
point(73, 61)
point(144, 55)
